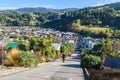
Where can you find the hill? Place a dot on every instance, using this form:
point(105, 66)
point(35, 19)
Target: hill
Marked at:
point(115, 6)
point(106, 15)
point(44, 10)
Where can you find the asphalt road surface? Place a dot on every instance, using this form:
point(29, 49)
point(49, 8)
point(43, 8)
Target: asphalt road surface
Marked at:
point(69, 70)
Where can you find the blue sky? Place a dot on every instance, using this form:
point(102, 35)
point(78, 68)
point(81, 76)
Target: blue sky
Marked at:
point(57, 4)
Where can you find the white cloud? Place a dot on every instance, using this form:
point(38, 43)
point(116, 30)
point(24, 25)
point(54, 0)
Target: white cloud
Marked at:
point(99, 4)
point(25, 5)
point(112, 0)
point(7, 8)
point(46, 6)
point(106, 2)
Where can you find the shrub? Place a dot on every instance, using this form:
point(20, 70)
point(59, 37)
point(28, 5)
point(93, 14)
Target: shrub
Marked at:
point(53, 51)
point(90, 61)
point(28, 59)
point(12, 58)
point(57, 54)
point(67, 48)
point(39, 56)
point(21, 58)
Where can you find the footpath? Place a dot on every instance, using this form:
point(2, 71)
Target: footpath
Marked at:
point(57, 70)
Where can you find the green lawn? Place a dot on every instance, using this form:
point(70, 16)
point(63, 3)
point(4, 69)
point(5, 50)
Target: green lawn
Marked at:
point(94, 29)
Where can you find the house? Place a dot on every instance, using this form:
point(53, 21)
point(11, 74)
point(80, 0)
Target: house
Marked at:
point(89, 43)
point(57, 45)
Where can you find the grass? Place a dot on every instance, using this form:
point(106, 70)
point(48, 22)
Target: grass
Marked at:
point(93, 28)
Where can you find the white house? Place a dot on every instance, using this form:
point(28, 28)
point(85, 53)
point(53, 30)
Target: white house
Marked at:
point(57, 46)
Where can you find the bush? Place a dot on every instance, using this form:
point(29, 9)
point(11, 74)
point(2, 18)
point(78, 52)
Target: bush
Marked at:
point(91, 61)
point(57, 54)
point(20, 58)
point(67, 48)
point(29, 60)
point(12, 58)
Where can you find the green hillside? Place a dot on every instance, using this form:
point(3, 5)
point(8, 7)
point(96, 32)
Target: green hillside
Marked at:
point(81, 21)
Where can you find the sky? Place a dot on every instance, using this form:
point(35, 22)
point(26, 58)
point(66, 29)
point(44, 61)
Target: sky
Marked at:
point(57, 4)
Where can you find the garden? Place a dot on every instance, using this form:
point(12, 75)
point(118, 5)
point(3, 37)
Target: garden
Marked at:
point(32, 51)
point(93, 61)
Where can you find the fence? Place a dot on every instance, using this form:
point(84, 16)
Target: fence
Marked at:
point(112, 62)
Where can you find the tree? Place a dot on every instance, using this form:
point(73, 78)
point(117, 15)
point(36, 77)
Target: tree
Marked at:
point(24, 46)
point(116, 47)
point(44, 45)
point(41, 45)
point(107, 47)
point(75, 26)
point(27, 16)
point(9, 22)
point(66, 48)
point(16, 23)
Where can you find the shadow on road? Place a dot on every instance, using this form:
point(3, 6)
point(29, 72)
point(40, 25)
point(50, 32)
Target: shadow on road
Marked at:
point(74, 60)
point(58, 78)
point(66, 72)
point(72, 65)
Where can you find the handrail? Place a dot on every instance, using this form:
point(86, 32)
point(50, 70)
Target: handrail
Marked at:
point(88, 74)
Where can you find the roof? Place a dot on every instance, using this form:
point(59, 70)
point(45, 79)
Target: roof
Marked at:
point(12, 45)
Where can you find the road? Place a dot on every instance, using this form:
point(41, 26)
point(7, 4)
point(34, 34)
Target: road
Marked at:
point(69, 70)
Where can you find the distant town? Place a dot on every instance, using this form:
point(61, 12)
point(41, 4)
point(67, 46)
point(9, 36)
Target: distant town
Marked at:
point(78, 42)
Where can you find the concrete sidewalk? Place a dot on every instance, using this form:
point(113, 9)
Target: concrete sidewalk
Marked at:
point(69, 70)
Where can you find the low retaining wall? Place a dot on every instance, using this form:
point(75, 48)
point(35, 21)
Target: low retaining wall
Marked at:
point(112, 62)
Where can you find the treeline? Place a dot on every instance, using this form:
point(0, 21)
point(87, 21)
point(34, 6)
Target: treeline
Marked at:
point(107, 16)
point(103, 16)
point(10, 18)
